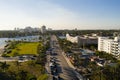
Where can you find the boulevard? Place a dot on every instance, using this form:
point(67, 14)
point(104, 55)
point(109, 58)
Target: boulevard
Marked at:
point(65, 71)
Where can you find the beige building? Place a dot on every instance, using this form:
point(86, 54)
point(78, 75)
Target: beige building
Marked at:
point(82, 40)
point(87, 40)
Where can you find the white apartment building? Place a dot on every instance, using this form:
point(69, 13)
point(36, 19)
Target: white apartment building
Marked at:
point(116, 46)
point(111, 46)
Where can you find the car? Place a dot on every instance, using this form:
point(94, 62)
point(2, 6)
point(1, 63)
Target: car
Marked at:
point(52, 73)
point(20, 57)
point(59, 78)
point(53, 53)
point(54, 78)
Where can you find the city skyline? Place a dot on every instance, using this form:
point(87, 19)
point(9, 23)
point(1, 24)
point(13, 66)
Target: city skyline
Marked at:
point(60, 14)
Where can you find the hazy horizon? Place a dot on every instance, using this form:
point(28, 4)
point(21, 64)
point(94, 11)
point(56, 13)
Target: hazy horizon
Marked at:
point(60, 14)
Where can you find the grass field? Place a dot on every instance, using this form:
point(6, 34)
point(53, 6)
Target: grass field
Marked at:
point(25, 48)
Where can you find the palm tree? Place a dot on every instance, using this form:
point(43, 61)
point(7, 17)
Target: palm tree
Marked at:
point(23, 75)
point(17, 64)
point(4, 66)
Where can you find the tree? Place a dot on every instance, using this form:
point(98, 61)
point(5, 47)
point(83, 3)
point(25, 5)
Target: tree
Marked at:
point(97, 74)
point(22, 74)
point(15, 53)
point(4, 66)
point(17, 64)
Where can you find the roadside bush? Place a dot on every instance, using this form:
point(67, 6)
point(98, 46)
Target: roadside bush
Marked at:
point(43, 77)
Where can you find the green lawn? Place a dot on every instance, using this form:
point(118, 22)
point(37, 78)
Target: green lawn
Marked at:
point(25, 48)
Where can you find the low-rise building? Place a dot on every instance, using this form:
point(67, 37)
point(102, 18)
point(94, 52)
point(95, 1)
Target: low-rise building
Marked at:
point(72, 39)
point(87, 40)
point(82, 40)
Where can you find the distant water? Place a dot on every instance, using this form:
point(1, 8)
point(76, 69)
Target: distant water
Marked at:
point(3, 43)
point(62, 37)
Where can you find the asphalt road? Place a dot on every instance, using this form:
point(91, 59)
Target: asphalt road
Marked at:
point(64, 70)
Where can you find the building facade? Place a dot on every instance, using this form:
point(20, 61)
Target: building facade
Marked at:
point(72, 39)
point(82, 40)
point(43, 29)
point(111, 46)
point(87, 41)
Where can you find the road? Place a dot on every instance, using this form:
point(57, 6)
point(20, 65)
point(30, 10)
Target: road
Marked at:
point(8, 59)
point(65, 71)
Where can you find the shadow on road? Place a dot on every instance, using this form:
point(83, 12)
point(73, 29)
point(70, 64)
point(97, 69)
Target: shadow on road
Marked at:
point(57, 61)
point(71, 73)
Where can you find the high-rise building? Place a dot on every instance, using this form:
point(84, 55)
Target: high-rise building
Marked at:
point(108, 45)
point(49, 29)
point(43, 29)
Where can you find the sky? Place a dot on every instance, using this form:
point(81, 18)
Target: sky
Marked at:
point(60, 14)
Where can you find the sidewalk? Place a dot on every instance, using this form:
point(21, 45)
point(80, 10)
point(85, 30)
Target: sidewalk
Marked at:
point(47, 67)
